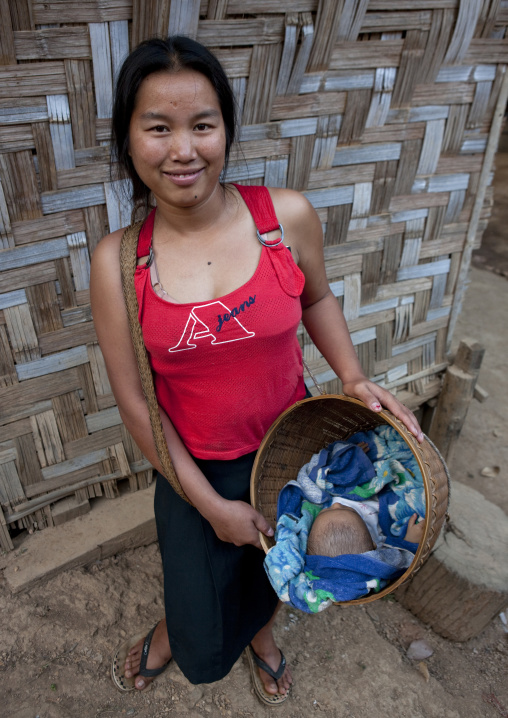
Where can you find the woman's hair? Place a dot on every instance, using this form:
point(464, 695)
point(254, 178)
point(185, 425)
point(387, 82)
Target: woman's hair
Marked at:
point(157, 55)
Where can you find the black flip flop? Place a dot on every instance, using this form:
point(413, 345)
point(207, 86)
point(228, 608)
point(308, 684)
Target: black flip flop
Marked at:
point(255, 662)
point(118, 667)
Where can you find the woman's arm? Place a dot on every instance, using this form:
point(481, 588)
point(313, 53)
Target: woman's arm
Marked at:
point(233, 521)
point(322, 315)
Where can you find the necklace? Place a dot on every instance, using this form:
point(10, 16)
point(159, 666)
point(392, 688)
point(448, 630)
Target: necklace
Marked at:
point(151, 264)
point(157, 285)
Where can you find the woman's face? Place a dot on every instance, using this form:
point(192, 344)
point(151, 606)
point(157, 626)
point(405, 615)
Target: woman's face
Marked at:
point(177, 138)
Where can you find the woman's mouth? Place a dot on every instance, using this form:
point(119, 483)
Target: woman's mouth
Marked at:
point(184, 179)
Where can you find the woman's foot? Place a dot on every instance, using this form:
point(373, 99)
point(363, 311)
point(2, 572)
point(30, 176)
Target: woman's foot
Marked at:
point(159, 655)
point(265, 648)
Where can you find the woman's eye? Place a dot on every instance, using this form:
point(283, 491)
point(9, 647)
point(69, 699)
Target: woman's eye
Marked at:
point(201, 127)
point(160, 128)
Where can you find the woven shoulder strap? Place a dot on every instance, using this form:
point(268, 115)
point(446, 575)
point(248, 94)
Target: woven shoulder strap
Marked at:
point(128, 262)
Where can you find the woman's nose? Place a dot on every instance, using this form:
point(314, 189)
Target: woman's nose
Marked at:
point(182, 147)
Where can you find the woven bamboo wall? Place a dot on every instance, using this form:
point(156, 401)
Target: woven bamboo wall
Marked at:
point(384, 112)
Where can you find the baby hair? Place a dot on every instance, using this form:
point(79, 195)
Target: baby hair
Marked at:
point(335, 533)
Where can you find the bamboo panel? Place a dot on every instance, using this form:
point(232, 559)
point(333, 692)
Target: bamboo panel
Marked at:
point(384, 113)
point(32, 80)
point(60, 43)
point(27, 109)
point(231, 32)
point(70, 11)
point(47, 227)
point(7, 52)
point(16, 138)
point(351, 55)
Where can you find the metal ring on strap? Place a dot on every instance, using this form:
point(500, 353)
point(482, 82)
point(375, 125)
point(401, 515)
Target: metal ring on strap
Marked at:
point(275, 243)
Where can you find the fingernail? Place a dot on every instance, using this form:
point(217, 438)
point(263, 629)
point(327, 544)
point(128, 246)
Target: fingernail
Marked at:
point(269, 532)
point(376, 407)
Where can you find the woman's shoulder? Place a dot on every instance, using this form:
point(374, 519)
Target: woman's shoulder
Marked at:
point(106, 257)
point(296, 214)
point(107, 251)
point(110, 244)
point(291, 202)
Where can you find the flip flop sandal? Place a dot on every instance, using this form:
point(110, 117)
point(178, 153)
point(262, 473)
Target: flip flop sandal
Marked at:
point(255, 662)
point(118, 666)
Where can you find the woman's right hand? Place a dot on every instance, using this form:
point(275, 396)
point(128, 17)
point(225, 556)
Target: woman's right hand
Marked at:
point(239, 523)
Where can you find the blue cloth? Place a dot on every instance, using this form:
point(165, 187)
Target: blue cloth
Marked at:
point(397, 469)
point(388, 470)
point(335, 471)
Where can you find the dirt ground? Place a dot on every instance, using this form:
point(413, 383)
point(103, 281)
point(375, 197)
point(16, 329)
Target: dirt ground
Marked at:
point(56, 641)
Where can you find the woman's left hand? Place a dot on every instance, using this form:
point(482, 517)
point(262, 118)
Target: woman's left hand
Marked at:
point(375, 397)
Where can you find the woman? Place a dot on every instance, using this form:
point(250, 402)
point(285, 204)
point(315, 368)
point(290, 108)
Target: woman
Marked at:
point(219, 304)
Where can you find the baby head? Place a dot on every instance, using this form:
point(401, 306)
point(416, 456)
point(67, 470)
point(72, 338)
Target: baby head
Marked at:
point(338, 530)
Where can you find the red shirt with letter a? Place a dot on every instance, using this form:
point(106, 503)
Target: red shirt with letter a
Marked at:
point(225, 369)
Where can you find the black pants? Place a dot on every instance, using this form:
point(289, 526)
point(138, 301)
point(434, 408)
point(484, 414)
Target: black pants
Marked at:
point(217, 596)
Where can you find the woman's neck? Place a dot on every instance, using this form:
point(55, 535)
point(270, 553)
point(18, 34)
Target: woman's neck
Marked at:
point(197, 218)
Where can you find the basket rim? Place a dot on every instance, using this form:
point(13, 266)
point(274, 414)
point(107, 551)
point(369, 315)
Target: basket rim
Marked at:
point(417, 451)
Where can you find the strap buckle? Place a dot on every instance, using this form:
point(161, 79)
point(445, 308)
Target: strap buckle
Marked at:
point(274, 243)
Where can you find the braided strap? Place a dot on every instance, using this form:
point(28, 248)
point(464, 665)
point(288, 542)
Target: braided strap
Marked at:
point(128, 262)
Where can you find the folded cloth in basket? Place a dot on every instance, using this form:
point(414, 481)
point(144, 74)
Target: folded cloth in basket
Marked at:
point(311, 583)
point(396, 467)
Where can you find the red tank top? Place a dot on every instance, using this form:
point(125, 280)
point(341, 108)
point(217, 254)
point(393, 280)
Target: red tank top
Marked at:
point(225, 369)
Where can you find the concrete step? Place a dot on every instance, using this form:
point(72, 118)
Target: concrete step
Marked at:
point(112, 526)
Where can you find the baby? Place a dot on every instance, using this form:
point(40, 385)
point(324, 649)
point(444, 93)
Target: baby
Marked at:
point(351, 527)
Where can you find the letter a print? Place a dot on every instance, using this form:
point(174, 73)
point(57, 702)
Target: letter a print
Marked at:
point(202, 324)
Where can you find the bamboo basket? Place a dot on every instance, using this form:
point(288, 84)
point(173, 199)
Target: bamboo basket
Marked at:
point(310, 425)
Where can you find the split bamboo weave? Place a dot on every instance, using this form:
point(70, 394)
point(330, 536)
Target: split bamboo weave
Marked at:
point(309, 426)
point(385, 113)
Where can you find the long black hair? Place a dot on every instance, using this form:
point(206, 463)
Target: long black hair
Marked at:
point(155, 55)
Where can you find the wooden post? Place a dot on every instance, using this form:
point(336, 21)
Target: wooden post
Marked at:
point(5, 539)
point(456, 395)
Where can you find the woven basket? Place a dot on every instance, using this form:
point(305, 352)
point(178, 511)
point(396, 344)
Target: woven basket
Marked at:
point(310, 425)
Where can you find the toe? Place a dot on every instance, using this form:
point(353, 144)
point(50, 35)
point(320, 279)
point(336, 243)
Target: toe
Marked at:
point(131, 667)
point(281, 687)
point(284, 684)
point(270, 686)
point(140, 683)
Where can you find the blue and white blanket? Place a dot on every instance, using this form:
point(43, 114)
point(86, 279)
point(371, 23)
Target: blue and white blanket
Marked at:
point(387, 471)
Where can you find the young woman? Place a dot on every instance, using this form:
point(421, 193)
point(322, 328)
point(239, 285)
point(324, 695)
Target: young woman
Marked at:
point(219, 305)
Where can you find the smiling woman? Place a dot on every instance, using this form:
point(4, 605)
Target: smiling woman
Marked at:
point(177, 137)
point(220, 298)
point(164, 58)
